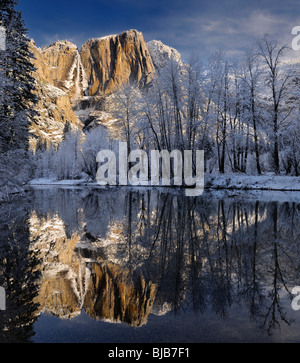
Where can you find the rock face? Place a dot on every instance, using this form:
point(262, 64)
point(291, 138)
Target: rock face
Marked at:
point(55, 114)
point(55, 94)
point(112, 61)
point(161, 54)
point(69, 81)
point(60, 65)
point(99, 68)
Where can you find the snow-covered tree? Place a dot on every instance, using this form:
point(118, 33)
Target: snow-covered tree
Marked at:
point(126, 107)
point(251, 78)
point(17, 98)
point(271, 54)
point(240, 113)
point(17, 82)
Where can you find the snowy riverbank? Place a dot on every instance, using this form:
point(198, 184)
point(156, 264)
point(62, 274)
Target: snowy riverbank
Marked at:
point(217, 181)
point(253, 182)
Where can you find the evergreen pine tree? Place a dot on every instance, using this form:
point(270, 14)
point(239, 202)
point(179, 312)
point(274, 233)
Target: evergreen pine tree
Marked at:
point(17, 96)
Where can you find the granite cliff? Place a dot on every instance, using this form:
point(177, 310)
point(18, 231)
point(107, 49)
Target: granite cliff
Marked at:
point(112, 61)
point(71, 79)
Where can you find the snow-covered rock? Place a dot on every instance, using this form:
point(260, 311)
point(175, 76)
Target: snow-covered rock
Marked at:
point(161, 54)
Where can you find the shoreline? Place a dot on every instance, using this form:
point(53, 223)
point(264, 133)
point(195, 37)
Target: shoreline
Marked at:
point(232, 182)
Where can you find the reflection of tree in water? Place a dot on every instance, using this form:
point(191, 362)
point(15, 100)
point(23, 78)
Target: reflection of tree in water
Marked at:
point(18, 274)
point(213, 254)
point(205, 253)
point(273, 314)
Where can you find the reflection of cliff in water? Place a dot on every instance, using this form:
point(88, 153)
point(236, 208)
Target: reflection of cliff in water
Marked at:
point(114, 295)
point(121, 255)
point(75, 278)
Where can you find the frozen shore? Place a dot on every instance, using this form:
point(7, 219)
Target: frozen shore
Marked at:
point(253, 182)
point(216, 181)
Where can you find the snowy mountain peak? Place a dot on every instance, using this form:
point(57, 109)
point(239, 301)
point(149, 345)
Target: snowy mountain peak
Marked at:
point(106, 37)
point(59, 45)
point(128, 33)
point(161, 54)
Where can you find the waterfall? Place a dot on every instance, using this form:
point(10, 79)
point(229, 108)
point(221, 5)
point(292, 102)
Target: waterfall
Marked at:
point(85, 83)
point(78, 85)
point(77, 79)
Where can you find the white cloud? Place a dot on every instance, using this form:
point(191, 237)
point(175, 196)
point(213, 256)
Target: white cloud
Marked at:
point(206, 33)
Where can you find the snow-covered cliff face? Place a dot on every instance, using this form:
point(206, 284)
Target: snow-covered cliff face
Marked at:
point(60, 65)
point(99, 68)
point(55, 113)
point(70, 80)
point(56, 92)
point(161, 54)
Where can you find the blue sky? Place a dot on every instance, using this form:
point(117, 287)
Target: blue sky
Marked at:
point(191, 26)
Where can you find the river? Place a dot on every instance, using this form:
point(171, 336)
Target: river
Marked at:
point(120, 265)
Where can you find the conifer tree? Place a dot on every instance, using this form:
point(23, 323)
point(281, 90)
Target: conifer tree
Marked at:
point(17, 86)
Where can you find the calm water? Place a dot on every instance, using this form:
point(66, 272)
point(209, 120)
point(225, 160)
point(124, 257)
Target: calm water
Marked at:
point(120, 265)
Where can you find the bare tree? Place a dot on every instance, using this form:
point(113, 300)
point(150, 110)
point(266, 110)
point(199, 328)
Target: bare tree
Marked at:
point(271, 54)
point(251, 77)
point(126, 109)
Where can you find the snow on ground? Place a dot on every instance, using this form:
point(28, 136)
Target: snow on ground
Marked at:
point(264, 188)
point(217, 181)
point(53, 181)
point(253, 182)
